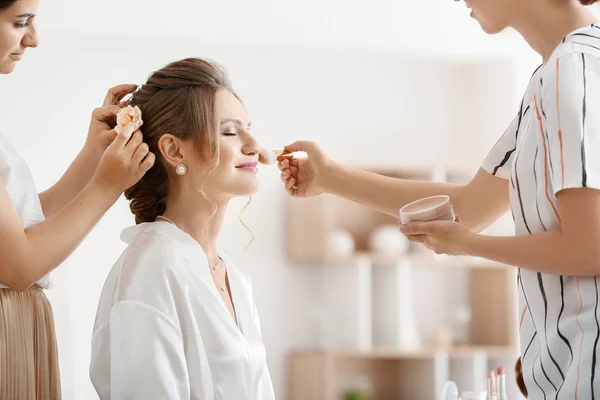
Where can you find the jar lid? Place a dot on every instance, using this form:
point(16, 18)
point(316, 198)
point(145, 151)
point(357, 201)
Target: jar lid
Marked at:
point(426, 209)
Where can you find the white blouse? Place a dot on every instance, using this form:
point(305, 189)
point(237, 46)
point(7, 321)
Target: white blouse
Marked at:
point(16, 177)
point(162, 330)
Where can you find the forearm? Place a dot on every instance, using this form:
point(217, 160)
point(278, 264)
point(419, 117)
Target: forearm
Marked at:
point(383, 193)
point(549, 252)
point(479, 203)
point(75, 179)
point(46, 245)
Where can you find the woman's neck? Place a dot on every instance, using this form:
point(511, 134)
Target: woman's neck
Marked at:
point(544, 27)
point(200, 220)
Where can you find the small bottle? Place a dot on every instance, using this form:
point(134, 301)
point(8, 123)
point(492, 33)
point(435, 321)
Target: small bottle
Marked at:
point(502, 384)
point(450, 391)
point(492, 393)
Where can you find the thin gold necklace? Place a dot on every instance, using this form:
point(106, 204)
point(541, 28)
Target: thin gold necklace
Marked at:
point(214, 267)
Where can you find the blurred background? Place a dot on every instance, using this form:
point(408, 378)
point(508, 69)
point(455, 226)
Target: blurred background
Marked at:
point(409, 88)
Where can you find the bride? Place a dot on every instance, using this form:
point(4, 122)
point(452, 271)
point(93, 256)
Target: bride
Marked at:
point(176, 319)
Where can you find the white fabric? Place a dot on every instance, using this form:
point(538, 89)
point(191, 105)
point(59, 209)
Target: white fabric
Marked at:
point(20, 186)
point(553, 144)
point(162, 330)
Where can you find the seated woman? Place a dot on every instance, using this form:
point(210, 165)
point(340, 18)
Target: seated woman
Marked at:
point(176, 319)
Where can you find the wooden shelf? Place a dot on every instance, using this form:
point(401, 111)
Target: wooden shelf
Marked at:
point(327, 374)
point(373, 306)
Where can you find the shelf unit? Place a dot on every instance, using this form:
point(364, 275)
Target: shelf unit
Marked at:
point(367, 299)
point(393, 375)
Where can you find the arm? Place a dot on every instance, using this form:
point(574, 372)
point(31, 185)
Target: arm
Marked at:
point(571, 247)
point(570, 88)
point(81, 171)
point(29, 254)
point(571, 250)
point(479, 203)
point(147, 355)
point(77, 176)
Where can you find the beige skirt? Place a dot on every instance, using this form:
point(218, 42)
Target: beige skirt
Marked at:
point(28, 354)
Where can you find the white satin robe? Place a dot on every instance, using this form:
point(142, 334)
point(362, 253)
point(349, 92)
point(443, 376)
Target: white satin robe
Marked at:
point(162, 331)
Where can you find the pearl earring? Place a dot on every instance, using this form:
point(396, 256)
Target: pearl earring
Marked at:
point(181, 169)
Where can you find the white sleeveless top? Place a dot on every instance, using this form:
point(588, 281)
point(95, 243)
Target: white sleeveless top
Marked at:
point(19, 184)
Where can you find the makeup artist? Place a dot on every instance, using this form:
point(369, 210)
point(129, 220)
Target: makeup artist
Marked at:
point(38, 231)
point(545, 168)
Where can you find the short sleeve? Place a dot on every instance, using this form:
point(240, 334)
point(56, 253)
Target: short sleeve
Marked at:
point(499, 160)
point(571, 101)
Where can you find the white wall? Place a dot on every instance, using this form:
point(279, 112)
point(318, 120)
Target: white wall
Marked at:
point(439, 26)
point(432, 25)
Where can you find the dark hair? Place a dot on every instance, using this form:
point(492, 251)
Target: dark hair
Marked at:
point(178, 99)
point(519, 378)
point(5, 4)
point(587, 2)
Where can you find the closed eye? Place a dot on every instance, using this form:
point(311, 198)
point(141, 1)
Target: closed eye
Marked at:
point(26, 19)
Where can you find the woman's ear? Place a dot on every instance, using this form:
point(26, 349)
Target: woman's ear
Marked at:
point(170, 148)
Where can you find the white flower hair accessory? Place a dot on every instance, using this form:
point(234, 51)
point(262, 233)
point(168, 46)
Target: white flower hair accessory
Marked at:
point(129, 115)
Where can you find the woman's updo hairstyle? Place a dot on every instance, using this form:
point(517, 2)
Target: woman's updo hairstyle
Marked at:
point(178, 99)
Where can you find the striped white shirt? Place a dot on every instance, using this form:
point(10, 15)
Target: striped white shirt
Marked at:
point(554, 144)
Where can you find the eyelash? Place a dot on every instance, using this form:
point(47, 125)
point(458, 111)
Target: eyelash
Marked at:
point(23, 25)
point(229, 134)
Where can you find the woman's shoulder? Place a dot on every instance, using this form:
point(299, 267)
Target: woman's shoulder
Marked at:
point(151, 263)
point(146, 242)
point(580, 49)
point(573, 71)
point(148, 273)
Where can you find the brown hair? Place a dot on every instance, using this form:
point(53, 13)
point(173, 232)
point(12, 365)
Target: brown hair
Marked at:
point(519, 378)
point(178, 99)
point(6, 4)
